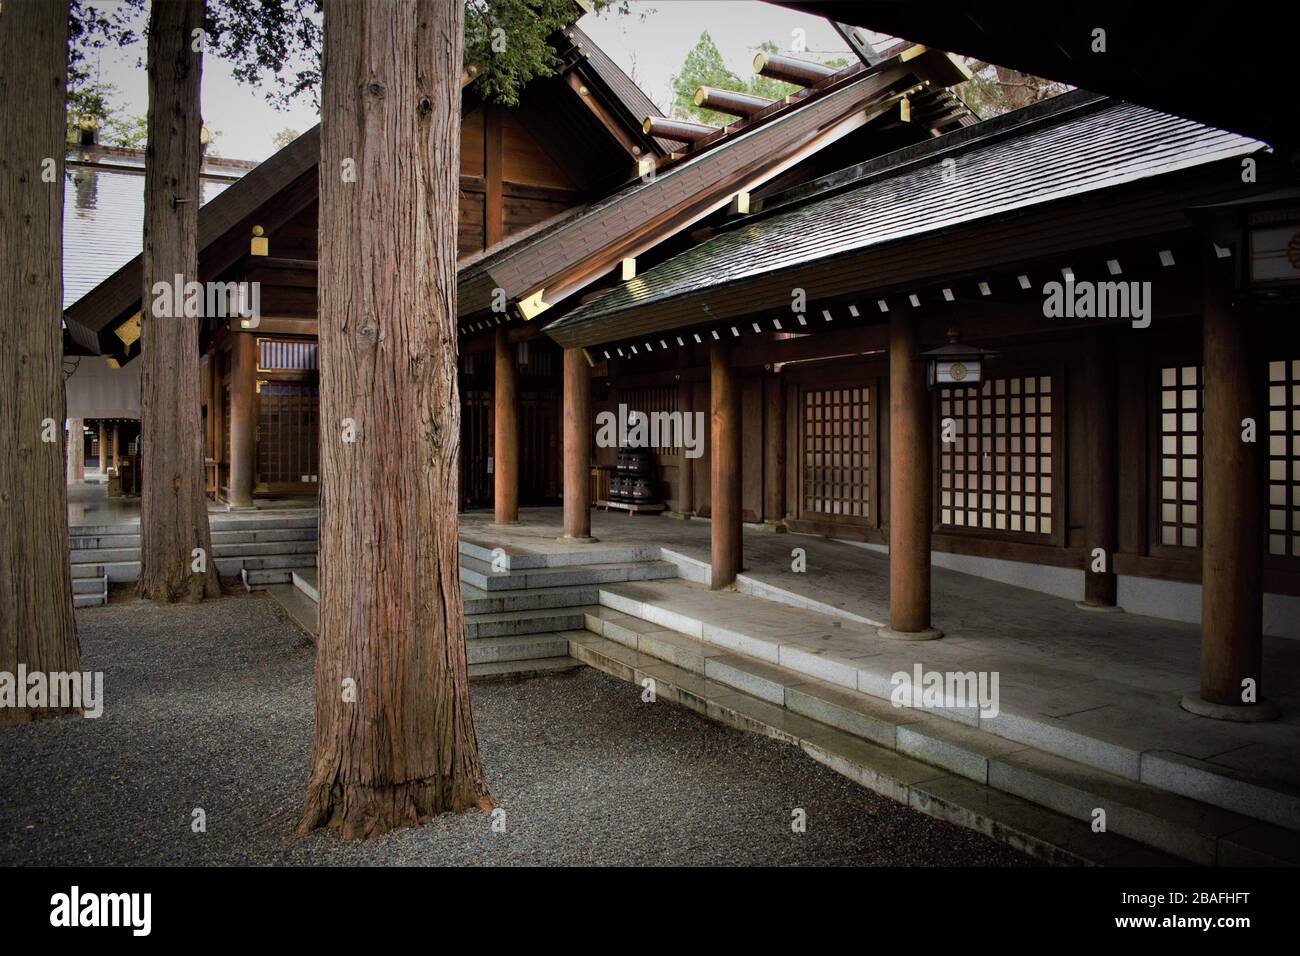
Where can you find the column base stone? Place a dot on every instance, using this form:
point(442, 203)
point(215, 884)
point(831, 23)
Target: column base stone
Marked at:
point(1265, 710)
point(928, 634)
point(1099, 608)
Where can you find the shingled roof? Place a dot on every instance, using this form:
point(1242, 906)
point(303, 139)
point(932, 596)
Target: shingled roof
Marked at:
point(1078, 144)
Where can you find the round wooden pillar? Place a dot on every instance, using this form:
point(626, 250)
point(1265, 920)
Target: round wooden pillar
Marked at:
point(103, 447)
point(909, 488)
point(774, 450)
point(117, 445)
point(243, 427)
point(577, 446)
point(724, 504)
point(686, 474)
point(76, 449)
point(1100, 584)
point(505, 465)
point(1232, 593)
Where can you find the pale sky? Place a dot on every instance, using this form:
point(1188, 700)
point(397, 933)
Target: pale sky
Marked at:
point(653, 48)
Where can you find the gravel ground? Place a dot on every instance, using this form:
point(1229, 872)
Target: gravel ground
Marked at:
point(211, 707)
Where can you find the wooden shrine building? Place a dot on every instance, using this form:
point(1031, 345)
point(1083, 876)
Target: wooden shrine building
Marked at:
point(1056, 348)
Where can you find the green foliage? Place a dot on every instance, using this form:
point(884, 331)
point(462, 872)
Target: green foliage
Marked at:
point(129, 131)
point(275, 45)
point(284, 138)
point(95, 99)
point(704, 66)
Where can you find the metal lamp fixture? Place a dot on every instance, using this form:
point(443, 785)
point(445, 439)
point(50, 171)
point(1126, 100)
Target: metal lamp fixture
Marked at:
point(956, 365)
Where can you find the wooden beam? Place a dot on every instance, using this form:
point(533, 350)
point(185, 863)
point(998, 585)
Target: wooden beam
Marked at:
point(730, 101)
point(583, 91)
point(494, 217)
point(790, 69)
point(681, 131)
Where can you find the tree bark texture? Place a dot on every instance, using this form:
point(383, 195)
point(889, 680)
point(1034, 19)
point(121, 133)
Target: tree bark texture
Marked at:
point(37, 628)
point(173, 503)
point(394, 741)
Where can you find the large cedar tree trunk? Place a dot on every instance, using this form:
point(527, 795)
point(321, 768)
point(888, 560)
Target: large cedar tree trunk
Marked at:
point(37, 628)
point(394, 741)
point(173, 506)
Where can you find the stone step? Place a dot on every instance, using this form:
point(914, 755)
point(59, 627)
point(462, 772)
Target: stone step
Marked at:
point(514, 623)
point(253, 522)
point(217, 523)
point(261, 535)
point(1190, 830)
point(1042, 833)
point(261, 577)
point(99, 541)
point(88, 600)
point(507, 670)
point(103, 555)
point(478, 601)
point(303, 611)
point(495, 650)
point(238, 550)
point(561, 556)
point(277, 561)
point(1181, 827)
point(820, 647)
point(307, 580)
point(85, 530)
point(117, 572)
point(480, 574)
point(263, 548)
point(89, 585)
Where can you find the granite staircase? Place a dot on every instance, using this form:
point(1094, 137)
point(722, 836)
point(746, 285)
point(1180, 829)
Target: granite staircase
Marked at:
point(792, 674)
point(259, 549)
point(521, 609)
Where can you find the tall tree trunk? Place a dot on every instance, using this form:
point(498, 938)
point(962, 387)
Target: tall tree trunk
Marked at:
point(37, 628)
point(394, 741)
point(173, 505)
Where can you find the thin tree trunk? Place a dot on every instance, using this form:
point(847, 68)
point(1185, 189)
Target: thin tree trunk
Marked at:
point(37, 628)
point(394, 741)
point(173, 505)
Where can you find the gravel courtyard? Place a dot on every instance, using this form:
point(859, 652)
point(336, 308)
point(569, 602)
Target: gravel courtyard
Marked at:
point(211, 707)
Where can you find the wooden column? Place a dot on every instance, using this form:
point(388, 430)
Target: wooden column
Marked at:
point(103, 447)
point(724, 396)
point(76, 449)
point(505, 465)
point(1101, 437)
point(117, 445)
point(686, 478)
point(243, 429)
point(1232, 594)
point(774, 448)
point(577, 446)
point(909, 487)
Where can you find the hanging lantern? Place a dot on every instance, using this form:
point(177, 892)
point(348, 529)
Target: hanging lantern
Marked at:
point(956, 365)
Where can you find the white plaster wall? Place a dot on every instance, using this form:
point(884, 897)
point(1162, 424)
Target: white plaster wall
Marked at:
point(1170, 600)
